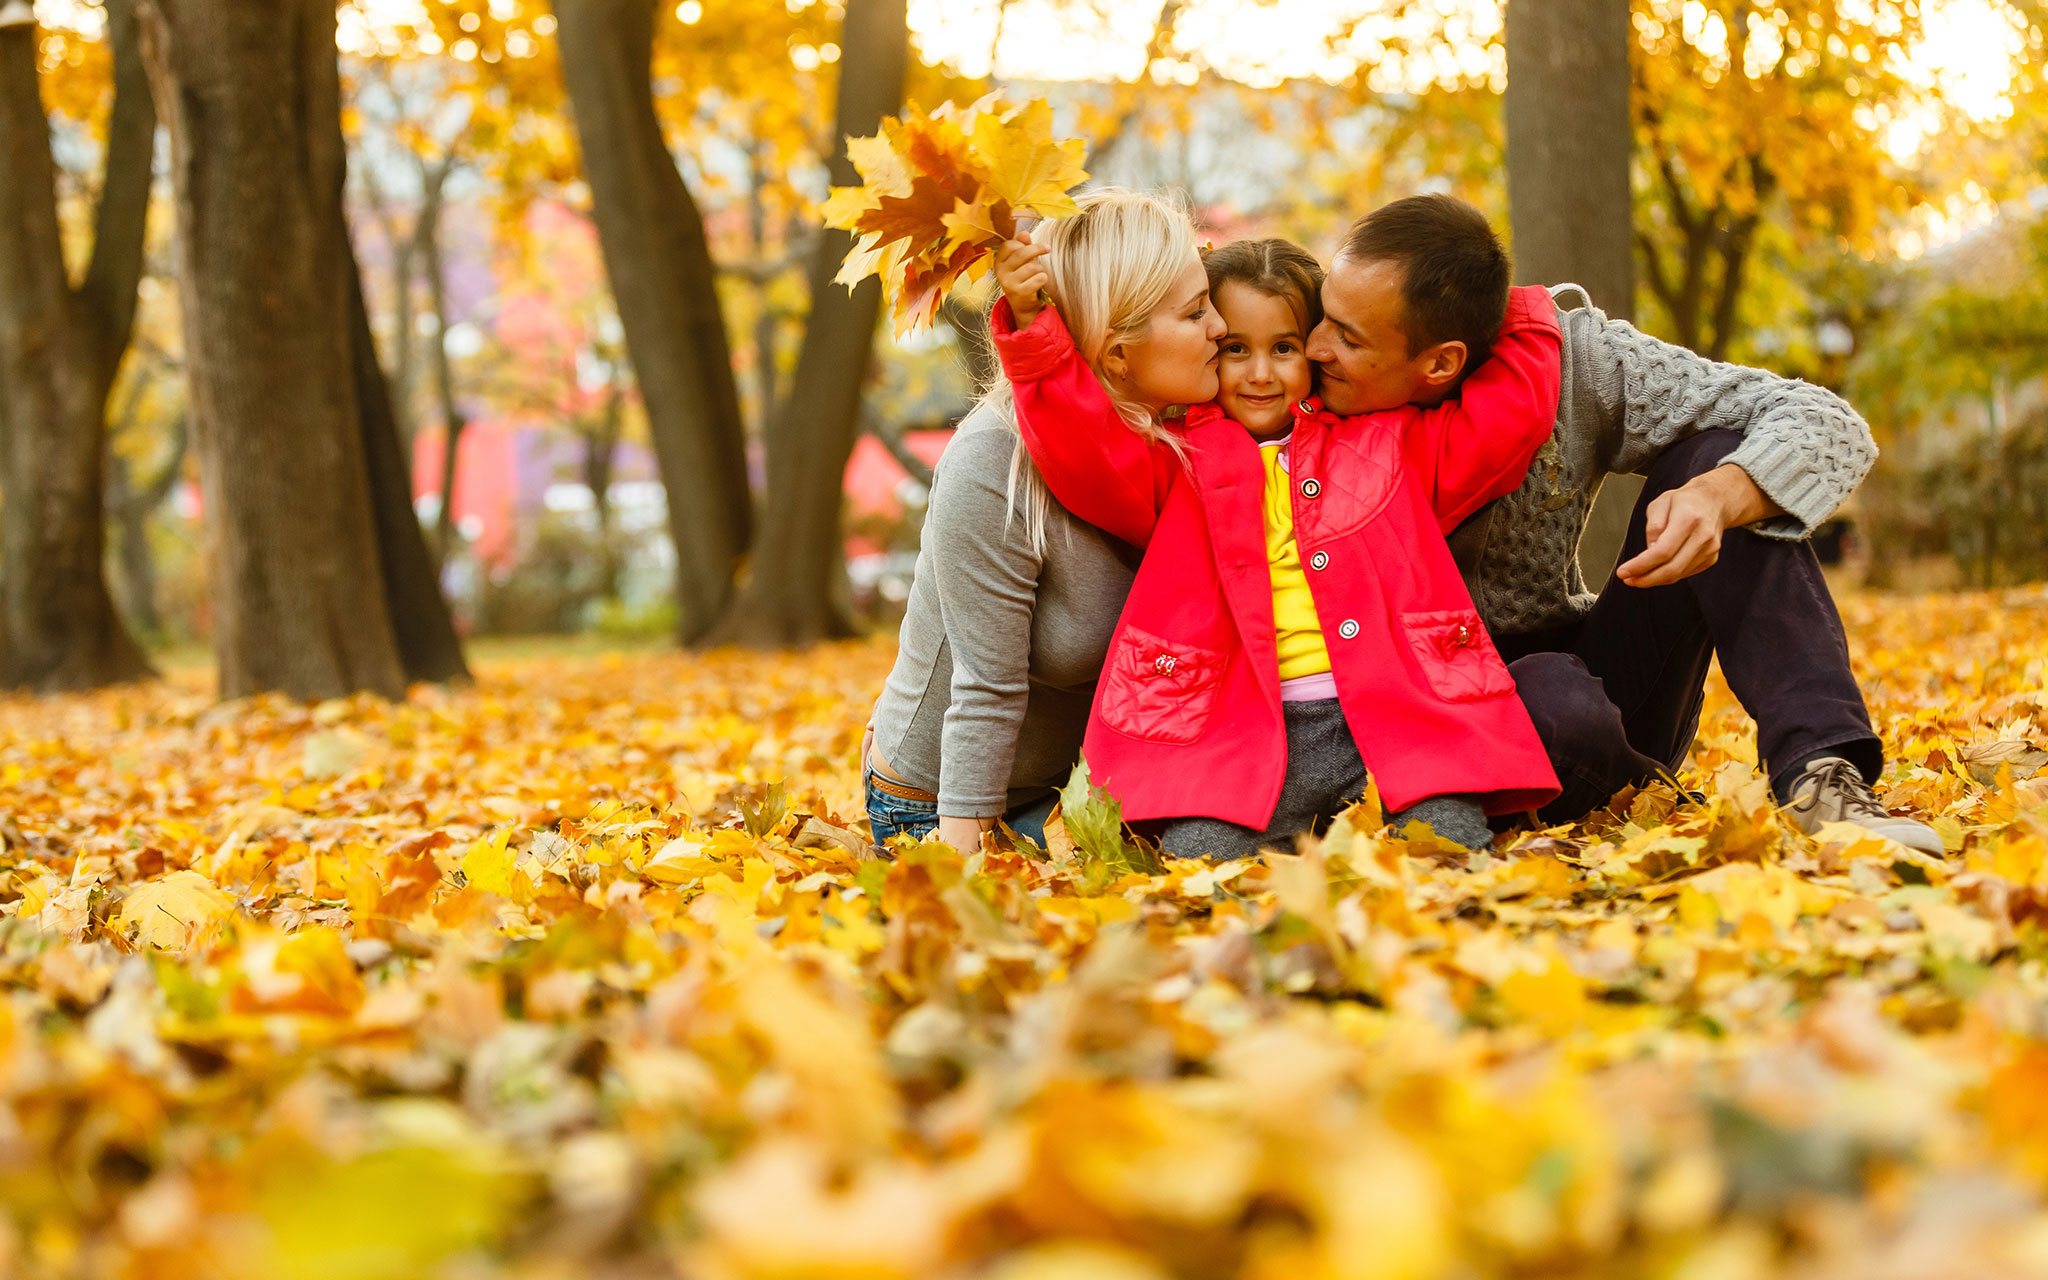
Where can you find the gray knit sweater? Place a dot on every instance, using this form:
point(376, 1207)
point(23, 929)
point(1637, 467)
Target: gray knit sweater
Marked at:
point(1624, 398)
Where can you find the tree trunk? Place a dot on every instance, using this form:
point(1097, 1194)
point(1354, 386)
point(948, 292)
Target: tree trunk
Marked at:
point(1568, 145)
point(600, 452)
point(404, 250)
point(453, 420)
point(796, 575)
point(427, 644)
point(132, 506)
point(662, 277)
point(59, 351)
point(275, 359)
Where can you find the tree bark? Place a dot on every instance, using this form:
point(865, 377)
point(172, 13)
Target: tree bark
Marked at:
point(600, 452)
point(663, 278)
point(131, 506)
point(428, 647)
point(795, 589)
point(59, 350)
point(275, 359)
point(453, 420)
point(1568, 147)
point(404, 249)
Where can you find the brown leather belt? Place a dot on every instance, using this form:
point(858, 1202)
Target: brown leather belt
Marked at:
point(901, 790)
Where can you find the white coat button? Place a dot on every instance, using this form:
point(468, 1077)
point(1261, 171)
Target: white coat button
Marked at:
point(1320, 560)
point(1348, 629)
point(1310, 488)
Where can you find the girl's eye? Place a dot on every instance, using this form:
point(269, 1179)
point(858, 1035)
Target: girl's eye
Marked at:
point(1233, 348)
point(1283, 348)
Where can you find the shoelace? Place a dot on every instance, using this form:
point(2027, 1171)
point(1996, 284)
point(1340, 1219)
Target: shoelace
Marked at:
point(1841, 777)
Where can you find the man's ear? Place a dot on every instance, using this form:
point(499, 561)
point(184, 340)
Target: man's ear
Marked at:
point(1442, 363)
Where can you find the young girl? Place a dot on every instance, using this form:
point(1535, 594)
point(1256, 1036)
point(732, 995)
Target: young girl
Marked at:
point(1297, 623)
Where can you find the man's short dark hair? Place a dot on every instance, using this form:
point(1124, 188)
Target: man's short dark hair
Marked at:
point(1455, 271)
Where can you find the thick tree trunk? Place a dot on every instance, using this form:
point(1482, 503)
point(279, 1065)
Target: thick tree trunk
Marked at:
point(251, 95)
point(796, 575)
point(59, 350)
point(662, 277)
point(1568, 146)
point(427, 644)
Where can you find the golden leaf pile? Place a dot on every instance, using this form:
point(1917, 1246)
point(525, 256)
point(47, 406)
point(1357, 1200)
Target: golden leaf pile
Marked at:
point(580, 973)
point(940, 192)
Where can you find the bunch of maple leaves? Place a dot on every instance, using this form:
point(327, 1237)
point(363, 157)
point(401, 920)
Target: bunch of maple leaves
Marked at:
point(587, 970)
point(940, 192)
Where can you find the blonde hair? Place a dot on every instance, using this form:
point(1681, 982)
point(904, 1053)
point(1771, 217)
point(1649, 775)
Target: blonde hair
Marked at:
point(1110, 267)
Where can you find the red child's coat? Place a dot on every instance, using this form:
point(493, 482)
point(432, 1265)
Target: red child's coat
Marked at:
point(1187, 719)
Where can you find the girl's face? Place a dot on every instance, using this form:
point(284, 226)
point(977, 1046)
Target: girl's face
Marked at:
point(1264, 366)
point(1175, 362)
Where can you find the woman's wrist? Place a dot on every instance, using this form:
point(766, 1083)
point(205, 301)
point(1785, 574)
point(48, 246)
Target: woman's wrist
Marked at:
point(963, 833)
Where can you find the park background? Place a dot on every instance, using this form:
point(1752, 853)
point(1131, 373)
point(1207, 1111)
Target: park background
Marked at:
point(1852, 193)
point(392, 887)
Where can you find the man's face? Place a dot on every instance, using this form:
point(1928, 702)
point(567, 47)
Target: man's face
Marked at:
point(1360, 351)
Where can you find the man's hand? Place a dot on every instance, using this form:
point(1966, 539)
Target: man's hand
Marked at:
point(964, 834)
point(1684, 526)
point(1022, 278)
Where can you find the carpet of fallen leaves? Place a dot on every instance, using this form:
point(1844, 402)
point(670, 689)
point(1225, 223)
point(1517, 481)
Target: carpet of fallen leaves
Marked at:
point(547, 977)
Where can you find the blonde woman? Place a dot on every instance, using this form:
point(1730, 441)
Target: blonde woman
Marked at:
point(1014, 600)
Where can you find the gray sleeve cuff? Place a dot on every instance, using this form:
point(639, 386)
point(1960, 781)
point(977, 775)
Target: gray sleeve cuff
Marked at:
point(1809, 478)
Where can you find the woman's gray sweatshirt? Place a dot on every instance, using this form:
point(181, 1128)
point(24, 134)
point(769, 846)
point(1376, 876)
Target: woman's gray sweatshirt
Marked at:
point(1001, 646)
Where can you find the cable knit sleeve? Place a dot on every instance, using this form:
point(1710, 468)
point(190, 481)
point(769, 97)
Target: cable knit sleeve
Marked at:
point(1803, 445)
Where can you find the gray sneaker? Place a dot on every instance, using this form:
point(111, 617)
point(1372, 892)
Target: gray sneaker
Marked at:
point(1831, 790)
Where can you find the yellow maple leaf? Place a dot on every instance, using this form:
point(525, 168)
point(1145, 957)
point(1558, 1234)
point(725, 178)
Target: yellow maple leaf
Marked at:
point(175, 910)
point(974, 222)
point(1027, 166)
point(491, 866)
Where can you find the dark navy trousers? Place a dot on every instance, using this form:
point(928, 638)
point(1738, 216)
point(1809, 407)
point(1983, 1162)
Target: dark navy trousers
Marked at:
point(1616, 697)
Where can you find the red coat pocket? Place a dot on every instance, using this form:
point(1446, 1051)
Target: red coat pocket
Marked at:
point(1457, 655)
point(1160, 690)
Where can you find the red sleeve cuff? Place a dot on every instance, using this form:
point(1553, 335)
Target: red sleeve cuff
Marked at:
point(1030, 353)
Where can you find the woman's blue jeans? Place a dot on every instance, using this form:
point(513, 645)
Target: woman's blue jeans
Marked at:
point(890, 816)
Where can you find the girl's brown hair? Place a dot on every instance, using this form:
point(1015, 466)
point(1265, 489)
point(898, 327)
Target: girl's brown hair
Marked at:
point(1278, 268)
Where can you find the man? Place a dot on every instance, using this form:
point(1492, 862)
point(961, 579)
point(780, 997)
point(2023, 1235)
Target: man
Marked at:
point(1741, 467)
